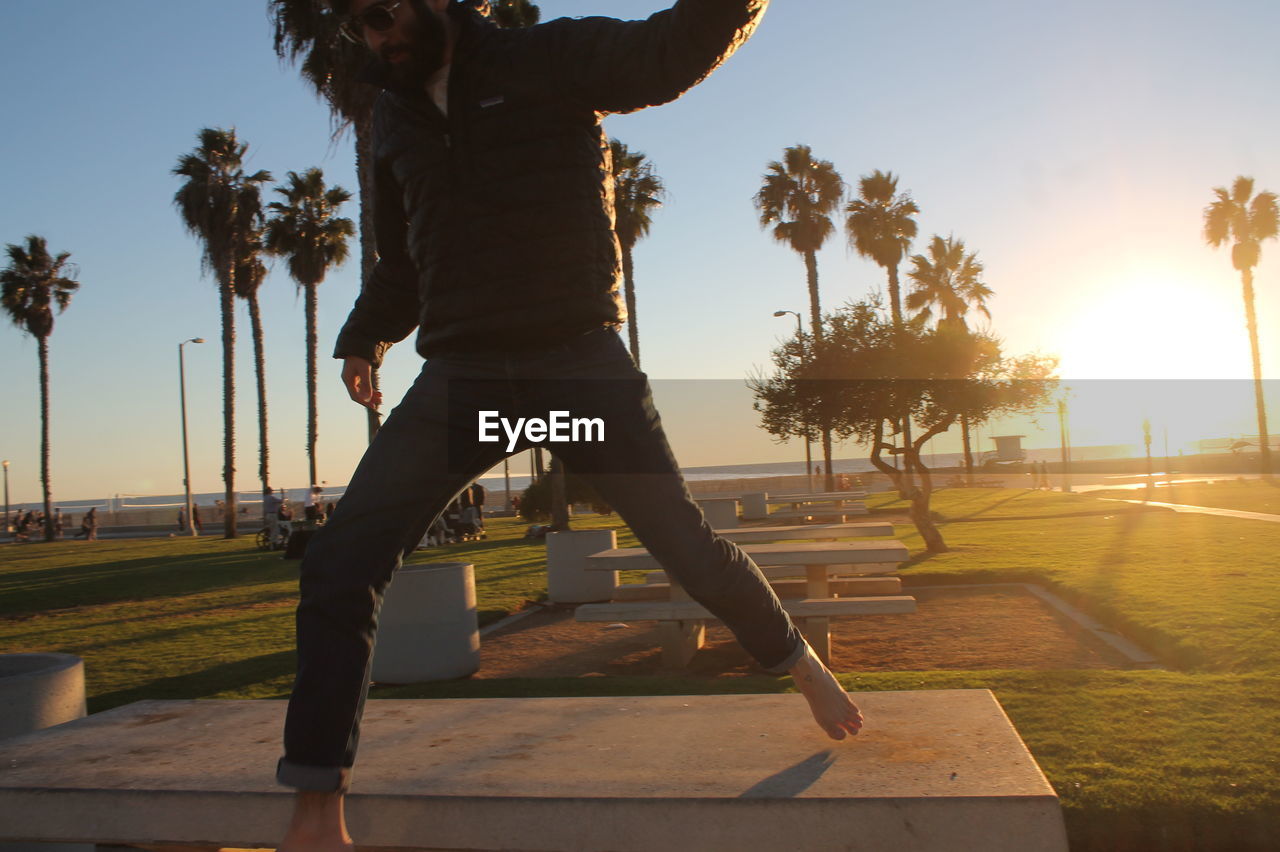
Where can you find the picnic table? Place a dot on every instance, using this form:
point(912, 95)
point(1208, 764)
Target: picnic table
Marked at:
point(682, 621)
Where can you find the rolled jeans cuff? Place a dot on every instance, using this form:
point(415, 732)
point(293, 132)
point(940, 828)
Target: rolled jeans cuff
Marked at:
point(313, 779)
point(792, 658)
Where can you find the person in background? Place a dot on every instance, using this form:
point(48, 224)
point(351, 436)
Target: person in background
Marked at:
point(311, 507)
point(89, 525)
point(271, 503)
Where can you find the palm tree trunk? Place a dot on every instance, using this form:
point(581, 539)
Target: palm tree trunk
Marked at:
point(43, 352)
point(968, 450)
point(815, 309)
point(895, 295)
point(815, 318)
point(311, 381)
point(1251, 320)
point(629, 290)
point(828, 479)
point(227, 294)
point(895, 307)
point(368, 241)
point(260, 368)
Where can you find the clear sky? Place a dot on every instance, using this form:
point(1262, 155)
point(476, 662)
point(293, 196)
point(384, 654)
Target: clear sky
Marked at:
point(1072, 145)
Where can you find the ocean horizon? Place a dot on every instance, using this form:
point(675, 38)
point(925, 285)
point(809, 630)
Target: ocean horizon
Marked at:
point(519, 483)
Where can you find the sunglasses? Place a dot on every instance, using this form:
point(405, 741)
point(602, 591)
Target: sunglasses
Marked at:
point(380, 17)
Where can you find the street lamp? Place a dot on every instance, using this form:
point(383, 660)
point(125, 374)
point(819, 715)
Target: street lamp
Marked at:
point(808, 456)
point(6, 495)
point(186, 463)
point(1064, 439)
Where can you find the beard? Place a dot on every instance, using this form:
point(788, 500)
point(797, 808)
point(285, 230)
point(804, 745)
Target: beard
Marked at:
point(410, 64)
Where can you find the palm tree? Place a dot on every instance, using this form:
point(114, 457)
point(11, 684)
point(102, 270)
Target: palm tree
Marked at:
point(31, 285)
point(1246, 220)
point(951, 279)
point(797, 198)
point(306, 32)
point(249, 275)
point(306, 229)
point(636, 191)
point(222, 207)
point(880, 227)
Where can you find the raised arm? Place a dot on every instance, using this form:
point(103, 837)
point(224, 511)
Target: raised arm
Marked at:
point(622, 66)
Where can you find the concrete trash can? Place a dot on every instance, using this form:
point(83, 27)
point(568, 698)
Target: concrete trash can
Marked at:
point(721, 512)
point(568, 580)
point(755, 506)
point(39, 691)
point(428, 628)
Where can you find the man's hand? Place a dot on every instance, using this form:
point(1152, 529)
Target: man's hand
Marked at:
point(357, 375)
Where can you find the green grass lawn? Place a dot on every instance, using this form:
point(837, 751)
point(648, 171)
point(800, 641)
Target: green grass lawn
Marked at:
point(1183, 759)
point(1248, 495)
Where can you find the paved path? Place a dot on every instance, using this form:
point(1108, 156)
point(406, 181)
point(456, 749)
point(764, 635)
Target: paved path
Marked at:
point(1205, 510)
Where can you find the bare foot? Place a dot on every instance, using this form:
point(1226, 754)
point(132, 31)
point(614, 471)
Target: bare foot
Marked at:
point(832, 708)
point(318, 825)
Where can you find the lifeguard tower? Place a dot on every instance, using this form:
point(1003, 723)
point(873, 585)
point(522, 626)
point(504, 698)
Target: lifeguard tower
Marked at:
point(1008, 451)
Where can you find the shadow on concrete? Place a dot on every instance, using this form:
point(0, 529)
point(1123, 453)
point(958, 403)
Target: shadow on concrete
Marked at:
point(793, 780)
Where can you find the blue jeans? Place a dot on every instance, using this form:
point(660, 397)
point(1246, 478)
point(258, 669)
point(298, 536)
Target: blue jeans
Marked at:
point(426, 453)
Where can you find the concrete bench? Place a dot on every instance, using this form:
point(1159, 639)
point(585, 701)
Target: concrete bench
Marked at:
point(790, 532)
point(937, 770)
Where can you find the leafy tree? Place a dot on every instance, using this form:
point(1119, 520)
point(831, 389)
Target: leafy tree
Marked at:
point(306, 229)
point(1245, 220)
point(865, 371)
point(30, 286)
point(537, 502)
point(950, 279)
point(221, 206)
point(636, 192)
point(514, 14)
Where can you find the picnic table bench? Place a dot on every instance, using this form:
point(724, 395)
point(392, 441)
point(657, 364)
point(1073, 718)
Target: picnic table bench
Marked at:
point(682, 622)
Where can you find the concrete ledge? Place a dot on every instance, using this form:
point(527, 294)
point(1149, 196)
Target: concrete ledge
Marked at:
point(940, 770)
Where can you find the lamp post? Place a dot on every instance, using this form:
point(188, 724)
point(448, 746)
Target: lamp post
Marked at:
point(186, 463)
point(808, 456)
point(1064, 432)
point(6, 495)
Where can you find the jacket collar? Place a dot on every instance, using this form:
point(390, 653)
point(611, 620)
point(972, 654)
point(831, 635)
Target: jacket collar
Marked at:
point(471, 25)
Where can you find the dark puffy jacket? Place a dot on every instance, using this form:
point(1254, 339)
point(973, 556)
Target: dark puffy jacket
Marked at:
point(495, 224)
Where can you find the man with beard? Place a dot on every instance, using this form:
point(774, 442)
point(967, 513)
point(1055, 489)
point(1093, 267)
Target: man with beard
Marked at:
point(494, 220)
